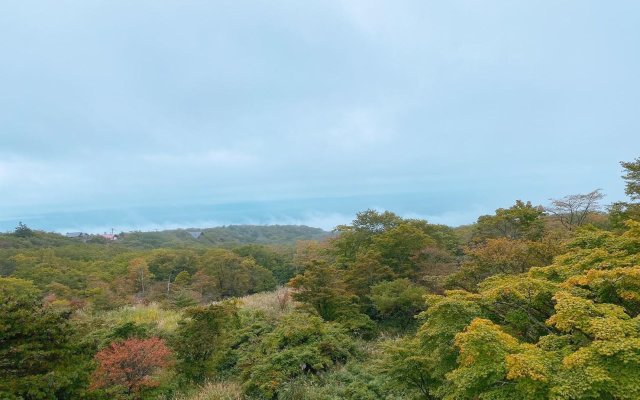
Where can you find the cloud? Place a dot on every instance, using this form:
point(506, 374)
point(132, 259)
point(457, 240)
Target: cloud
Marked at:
point(326, 221)
point(26, 183)
point(358, 128)
point(214, 157)
point(380, 19)
point(17, 172)
point(141, 103)
point(455, 218)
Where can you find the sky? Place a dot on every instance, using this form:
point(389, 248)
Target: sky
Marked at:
point(158, 114)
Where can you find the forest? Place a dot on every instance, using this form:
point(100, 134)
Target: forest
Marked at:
point(530, 302)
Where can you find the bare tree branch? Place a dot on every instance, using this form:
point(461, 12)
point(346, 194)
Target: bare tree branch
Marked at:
point(572, 211)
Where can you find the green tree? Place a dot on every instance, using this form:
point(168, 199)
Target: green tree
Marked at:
point(202, 338)
point(421, 363)
point(366, 271)
point(165, 265)
point(632, 178)
point(22, 231)
point(502, 256)
point(322, 289)
point(233, 275)
point(279, 263)
point(183, 279)
point(482, 363)
point(521, 304)
point(568, 330)
point(406, 368)
point(607, 363)
point(139, 275)
point(520, 221)
point(621, 211)
point(354, 238)
point(38, 359)
point(399, 246)
point(398, 301)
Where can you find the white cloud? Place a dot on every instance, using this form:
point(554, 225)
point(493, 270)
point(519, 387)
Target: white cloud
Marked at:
point(360, 126)
point(24, 173)
point(377, 18)
point(217, 157)
point(326, 221)
point(26, 183)
point(283, 100)
point(454, 218)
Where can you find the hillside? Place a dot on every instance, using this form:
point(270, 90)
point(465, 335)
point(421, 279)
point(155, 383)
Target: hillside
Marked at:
point(224, 236)
point(529, 302)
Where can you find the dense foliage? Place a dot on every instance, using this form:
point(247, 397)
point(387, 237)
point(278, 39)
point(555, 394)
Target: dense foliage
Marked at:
point(527, 303)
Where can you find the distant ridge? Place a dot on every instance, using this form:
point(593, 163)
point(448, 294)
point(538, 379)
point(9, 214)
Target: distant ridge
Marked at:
point(224, 235)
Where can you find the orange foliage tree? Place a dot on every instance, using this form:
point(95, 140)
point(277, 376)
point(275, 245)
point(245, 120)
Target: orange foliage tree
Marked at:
point(131, 364)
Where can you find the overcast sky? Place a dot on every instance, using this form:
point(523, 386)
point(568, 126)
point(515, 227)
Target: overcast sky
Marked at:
point(311, 109)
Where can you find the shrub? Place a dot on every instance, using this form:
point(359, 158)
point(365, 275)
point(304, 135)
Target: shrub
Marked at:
point(216, 391)
point(301, 345)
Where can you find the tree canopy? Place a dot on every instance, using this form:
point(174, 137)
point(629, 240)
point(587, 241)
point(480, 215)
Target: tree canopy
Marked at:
point(526, 303)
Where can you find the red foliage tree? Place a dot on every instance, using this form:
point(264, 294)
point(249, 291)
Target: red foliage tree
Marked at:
point(131, 364)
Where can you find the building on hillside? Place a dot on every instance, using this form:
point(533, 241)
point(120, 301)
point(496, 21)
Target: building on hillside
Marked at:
point(196, 234)
point(75, 235)
point(109, 236)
